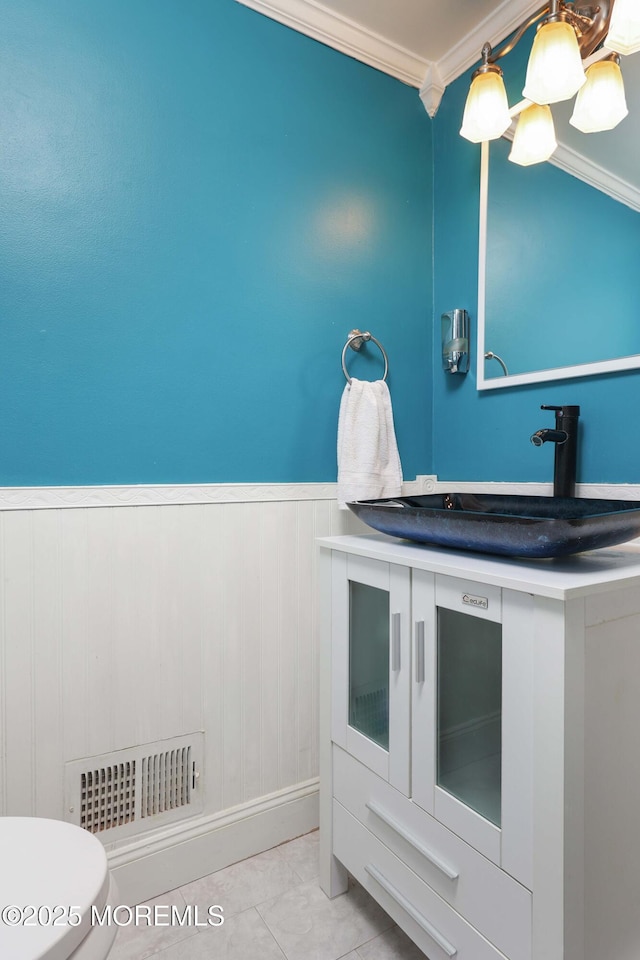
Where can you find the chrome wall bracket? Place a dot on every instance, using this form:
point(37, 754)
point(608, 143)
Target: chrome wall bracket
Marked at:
point(455, 341)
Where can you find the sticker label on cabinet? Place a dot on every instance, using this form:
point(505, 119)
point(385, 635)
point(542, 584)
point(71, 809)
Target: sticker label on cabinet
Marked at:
point(472, 601)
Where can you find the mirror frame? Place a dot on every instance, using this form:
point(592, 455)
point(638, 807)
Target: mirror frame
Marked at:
point(576, 165)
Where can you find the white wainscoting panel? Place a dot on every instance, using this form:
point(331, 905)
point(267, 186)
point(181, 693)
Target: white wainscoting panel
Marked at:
point(123, 625)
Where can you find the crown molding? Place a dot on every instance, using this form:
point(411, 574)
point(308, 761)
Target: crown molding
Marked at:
point(318, 22)
point(596, 176)
point(315, 20)
point(494, 28)
point(432, 90)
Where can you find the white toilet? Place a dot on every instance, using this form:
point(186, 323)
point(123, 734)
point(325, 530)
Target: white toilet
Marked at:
point(48, 864)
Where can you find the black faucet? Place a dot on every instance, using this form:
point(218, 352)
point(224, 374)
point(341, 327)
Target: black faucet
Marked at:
point(565, 437)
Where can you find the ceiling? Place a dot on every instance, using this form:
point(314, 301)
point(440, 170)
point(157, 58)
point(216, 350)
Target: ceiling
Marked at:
point(429, 28)
point(425, 43)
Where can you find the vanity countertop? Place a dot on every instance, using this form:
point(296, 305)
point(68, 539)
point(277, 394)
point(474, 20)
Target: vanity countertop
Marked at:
point(583, 574)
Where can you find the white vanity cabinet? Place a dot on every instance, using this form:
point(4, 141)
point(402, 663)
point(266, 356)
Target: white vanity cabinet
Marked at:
point(479, 774)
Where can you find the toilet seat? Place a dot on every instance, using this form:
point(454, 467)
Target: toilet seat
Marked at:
point(49, 863)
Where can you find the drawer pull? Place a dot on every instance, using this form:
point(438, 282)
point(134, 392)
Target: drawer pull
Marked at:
point(395, 641)
point(408, 907)
point(448, 871)
point(420, 651)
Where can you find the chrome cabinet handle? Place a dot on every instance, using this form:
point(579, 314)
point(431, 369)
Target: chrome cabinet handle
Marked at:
point(409, 908)
point(449, 872)
point(420, 673)
point(395, 641)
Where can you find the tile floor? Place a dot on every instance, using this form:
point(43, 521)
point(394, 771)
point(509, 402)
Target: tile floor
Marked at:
point(274, 909)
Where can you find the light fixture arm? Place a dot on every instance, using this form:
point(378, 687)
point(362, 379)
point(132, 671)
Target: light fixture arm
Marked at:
point(591, 24)
point(596, 27)
point(494, 55)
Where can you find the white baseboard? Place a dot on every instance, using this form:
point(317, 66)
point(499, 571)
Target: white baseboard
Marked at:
point(597, 491)
point(152, 495)
point(146, 868)
point(147, 495)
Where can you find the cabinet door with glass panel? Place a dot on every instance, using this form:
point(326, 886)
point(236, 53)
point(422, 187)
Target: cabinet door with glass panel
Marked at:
point(472, 714)
point(371, 668)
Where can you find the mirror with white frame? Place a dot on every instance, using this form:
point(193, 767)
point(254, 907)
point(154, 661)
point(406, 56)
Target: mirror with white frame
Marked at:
point(559, 261)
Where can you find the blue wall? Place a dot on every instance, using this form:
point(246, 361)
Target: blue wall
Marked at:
point(485, 436)
point(196, 206)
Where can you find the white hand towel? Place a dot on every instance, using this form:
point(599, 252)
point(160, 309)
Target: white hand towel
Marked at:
point(368, 460)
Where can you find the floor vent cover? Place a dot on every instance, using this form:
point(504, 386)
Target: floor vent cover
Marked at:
point(136, 789)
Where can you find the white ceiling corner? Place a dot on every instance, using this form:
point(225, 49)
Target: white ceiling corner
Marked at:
point(329, 24)
point(432, 90)
point(355, 39)
point(502, 21)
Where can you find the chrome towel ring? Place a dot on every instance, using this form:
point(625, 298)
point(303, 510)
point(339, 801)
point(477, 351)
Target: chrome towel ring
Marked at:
point(355, 340)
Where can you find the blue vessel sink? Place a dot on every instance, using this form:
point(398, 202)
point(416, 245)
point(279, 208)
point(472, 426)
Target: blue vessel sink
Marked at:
point(511, 526)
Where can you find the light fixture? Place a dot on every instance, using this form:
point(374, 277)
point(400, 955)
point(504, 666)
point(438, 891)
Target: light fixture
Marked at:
point(486, 112)
point(624, 31)
point(601, 104)
point(534, 140)
point(568, 34)
point(555, 71)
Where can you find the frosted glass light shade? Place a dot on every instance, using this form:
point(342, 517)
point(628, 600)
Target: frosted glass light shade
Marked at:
point(535, 139)
point(601, 103)
point(554, 71)
point(486, 112)
point(624, 28)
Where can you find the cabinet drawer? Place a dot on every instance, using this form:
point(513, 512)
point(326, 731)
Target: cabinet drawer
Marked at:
point(437, 929)
point(492, 901)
